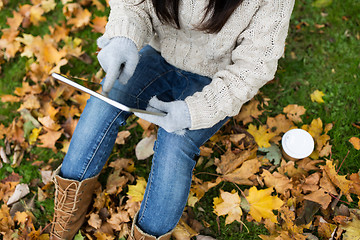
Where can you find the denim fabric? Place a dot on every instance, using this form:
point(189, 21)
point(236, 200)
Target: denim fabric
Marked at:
point(173, 161)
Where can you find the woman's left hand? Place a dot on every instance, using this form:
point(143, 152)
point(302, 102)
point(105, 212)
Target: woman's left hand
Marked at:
point(176, 119)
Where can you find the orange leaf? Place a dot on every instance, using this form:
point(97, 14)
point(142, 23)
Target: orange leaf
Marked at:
point(99, 24)
point(10, 98)
point(320, 197)
point(248, 112)
point(15, 21)
point(36, 15)
point(294, 112)
point(355, 142)
point(49, 139)
point(82, 18)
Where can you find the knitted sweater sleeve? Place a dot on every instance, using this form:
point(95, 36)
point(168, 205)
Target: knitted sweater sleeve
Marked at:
point(254, 62)
point(131, 19)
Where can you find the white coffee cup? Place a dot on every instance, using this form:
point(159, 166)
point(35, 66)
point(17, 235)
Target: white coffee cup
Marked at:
point(297, 144)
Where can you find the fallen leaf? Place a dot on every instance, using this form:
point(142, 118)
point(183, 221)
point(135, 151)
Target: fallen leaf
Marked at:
point(279, 124)
point(137, 191)
point(262, 204)
point(122, 135)
point(262, 135)
point(145, 148)
point(21, 191)
point(280, 182)
point(94, 221)
point(228, 204)
point(352, 229)
point(294, 112)
point(242, 174)
point(316, 96)
point(355, 142)
point(319, 197)
point(248, 112)
point(99, 24)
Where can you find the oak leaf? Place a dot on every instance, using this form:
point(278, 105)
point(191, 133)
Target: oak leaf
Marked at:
point(262, 135)
point(262, 204)
point(228, 204)
point(294, 112)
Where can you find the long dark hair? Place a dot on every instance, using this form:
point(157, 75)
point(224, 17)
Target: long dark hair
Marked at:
point(219, 11)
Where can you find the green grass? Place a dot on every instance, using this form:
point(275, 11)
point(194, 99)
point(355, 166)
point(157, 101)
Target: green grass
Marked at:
point(327, 59)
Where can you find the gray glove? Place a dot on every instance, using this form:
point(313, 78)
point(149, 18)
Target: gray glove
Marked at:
point(177, 117)
point(118, 57)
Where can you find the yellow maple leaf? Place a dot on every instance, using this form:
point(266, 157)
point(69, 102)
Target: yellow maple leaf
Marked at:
point(36, 15)
point(34, 135)
point(228, 204)
point(137, 191)
point(352, 229)
point(262, 135)
point(316, 96)
point(48, 5)
point(262, 204)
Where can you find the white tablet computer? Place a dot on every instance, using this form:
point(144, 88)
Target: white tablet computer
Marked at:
point(116, 104)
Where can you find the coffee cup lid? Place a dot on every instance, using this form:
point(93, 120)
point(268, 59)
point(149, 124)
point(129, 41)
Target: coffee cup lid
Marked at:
point(297, 143)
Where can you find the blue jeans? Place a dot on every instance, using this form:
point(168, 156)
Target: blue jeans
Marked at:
point(173, 161)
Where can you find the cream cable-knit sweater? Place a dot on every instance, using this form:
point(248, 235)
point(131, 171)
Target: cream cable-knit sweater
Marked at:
point(240, 59)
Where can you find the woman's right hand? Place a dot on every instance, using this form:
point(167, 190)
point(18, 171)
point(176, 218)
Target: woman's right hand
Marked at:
point(118, 57)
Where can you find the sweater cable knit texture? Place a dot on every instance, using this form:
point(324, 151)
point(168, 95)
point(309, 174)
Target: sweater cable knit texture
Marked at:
point(240, 59)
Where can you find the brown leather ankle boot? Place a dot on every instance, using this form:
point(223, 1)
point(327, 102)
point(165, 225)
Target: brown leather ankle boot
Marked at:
point(138, 234)
point(72, 199)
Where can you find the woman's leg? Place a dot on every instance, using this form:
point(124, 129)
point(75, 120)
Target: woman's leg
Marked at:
point(170, 179)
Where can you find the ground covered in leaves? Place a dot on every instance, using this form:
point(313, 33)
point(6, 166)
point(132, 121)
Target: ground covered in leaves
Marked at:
point(243, 187)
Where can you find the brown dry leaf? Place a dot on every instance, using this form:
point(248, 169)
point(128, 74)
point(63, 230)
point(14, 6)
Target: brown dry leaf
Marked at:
point(15, 21)
point(8, 42)
point(319, 197)
point(36, 15)
point(81, 19)
point(98, 24)
point(326, 229)
point(6, 221)
point(230, 161)
point(279, 124)
point(355, 142)
point(199, 188)
point(49, 124)
point(70, 125)
point(183, 231)
point(21, 217)
point(294, 112)
point(115, 182)
point(205, 151)
point(340, 181)
point(311, 183)
point(280, 182)
point(118, 218)
point(308, 164)
point(94, 221)
point(49, 139)
point(355, 187)
point(289, 169)
point(262, 204)
point(59, 33)
point(122, 135)
point(327, 185)
point(228, 204)
point(242, 174)
point(10, 98)
point(262, 135)
point(248, 112)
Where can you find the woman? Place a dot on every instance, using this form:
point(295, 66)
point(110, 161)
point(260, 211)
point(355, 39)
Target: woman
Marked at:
point(198, 61)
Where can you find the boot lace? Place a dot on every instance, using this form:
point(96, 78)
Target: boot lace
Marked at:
point(65, 207)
